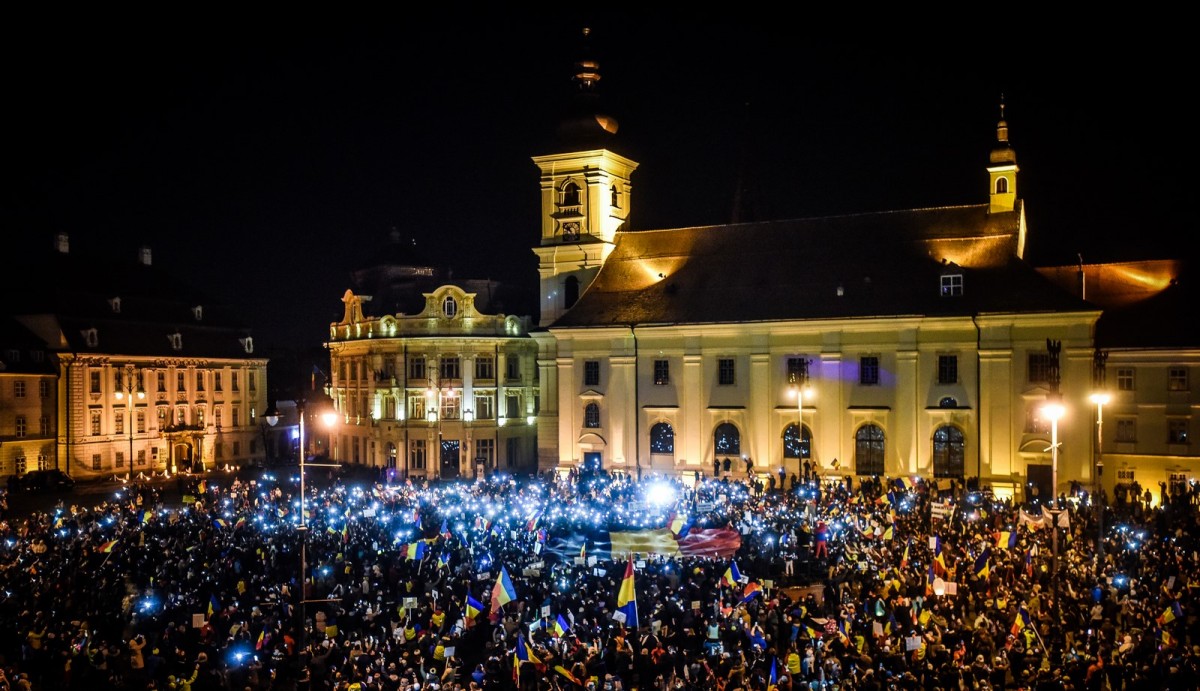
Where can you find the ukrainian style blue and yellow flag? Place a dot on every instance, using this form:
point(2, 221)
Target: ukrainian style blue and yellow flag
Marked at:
point(983, 563)
point(214, 605)
point(773, 682)
point(627, 597)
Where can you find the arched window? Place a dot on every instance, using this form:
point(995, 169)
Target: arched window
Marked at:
point(1001, 185)
point(662, 438)
point(616, 198)
point(948, 402)
point(797, 444)
point(868, 450)
point(948, 452)
point(591, 415)
point(570, 291)
point(449, 306)
point(570, 194)
point(727, 440)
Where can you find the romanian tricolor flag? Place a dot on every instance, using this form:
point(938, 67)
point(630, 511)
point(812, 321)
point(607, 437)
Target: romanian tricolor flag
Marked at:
point(443, 561)
point(1166, 638)
point(627, 597)
point(221, 523)
point(108, 546)
point(679, 524)
point(532, 524)
point(502, 594)
point(773, 681)
point(522, 653)
point(888, 533)
point(567, 673)
point(214, 605)
point(1029, 563)
point(1021, 622)
point(939, 560)
point(732, 577)
point(904, 559)
point(1170, 614)
point(262, 638)
point(885, 499)
point(444, 531)
point(346, 534)
point(1006, 539)
point(416, 550)
point(241, 521)
point(561, 627)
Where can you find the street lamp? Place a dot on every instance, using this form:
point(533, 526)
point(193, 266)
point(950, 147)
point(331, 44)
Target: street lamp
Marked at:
point(128, 387)
point(1053, 410)
point(799, 384)
point(271, 417)
point(1100, 398)
point(468, 417)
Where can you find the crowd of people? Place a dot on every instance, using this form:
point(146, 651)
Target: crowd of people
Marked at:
point(879, 583)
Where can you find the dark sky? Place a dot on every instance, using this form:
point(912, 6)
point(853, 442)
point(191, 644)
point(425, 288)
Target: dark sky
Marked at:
point(265, 160)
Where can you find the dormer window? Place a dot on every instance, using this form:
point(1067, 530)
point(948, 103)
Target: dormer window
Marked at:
point(952, 285)
point(176, 340)
point(115, 305)
point(449, 307)
point(248, 344)
point(616, 197)
point(91, 337)
point(198, 312)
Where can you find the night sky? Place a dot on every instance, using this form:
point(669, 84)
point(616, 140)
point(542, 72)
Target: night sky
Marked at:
point(263, 161)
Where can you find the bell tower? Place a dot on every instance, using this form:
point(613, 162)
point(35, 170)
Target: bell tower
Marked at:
point(585, 196)
point(1002, 171)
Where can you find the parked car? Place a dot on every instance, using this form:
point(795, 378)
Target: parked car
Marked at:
point(46, 481)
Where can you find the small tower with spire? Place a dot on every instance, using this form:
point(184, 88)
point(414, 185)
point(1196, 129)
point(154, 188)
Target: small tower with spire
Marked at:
point(1002, 171)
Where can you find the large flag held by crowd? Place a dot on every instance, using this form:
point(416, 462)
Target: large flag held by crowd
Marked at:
point(720, 543)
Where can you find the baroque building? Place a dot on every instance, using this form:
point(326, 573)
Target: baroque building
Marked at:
point(148, 377)
point(917, 342)
point(428, 383)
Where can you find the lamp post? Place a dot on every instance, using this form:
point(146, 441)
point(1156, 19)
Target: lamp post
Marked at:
point(128, 386)
point(1053, 410)
point(799, 382)
point(468, 417)
point(1100, 398)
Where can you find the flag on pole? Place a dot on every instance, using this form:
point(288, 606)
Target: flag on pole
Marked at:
point(752, 589)
point(473, 608)
point(522, 654)
point(444, 531)
point(108, 546)
point(416, 550)
point(1021, 622)
point(904, 559)
point(1006, 539)
point(214, 605)
point(502, 594)
point(258, 645)
point(567, 673)
point(732, 576)
point(627, 597)
point(561, 627)
point(982, 563)
point(443, 560)
point(1170, 614)
point(220, 523)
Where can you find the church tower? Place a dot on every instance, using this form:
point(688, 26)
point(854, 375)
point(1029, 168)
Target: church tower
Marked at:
point(585, 196)
point(1002, 173)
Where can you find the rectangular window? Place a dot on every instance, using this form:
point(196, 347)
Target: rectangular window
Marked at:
point(219, 448)
point(868, 370)
point(416, 408)
point(416, 454)
point(662, 372)
point(96, 465)
point(1177, 379)
point(95, 423)
point(44, 425)
point(20, 427)
point(44, 388)
point(591, 373)
point(450, 408)
point(1039, 368)
point(947, 369)
point(1125, 379)
point(237, 449)
point(217, 384)
point(512, 448)
point(180, 415)
point(1126, 430)
point(253, 382)
point(94, 382)
point(233, 381)
point(512, 405)
point(797, 370)
point(237, 417)
point(119, 458)
point(19, 388)
point(141, 422)
point(485, 407)
point(448, 367)
point(1035, 423)
point(141, 457)
point(200, 381)
point(1125, 476)
point(485, 367)
point(180, 383)
point(118, 422)
point(1177, 431)
point(512, 367)
point(485, 452)
point(952, 284)
point(217, 416)
point(162, 382)
point(725, 371)
point(416, 367)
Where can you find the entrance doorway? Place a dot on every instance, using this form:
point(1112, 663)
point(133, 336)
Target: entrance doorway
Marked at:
point(449, 459)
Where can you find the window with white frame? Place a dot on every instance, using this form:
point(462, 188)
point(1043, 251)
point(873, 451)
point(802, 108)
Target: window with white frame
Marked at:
point(95, 423)
point(1177, 431)
point(19, 388)
point(952, 285)
point(485, 367)
point(44, 425)
point(485, 451)
point(416, 454)
point(1125, 379)
point(485, 406)
point(448, 367)
point(19, 431)
point(1177, 379)
point(416, 366)
point(119, 422)
point(44, 388)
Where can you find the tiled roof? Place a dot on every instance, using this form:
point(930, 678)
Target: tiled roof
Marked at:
point(883, 264)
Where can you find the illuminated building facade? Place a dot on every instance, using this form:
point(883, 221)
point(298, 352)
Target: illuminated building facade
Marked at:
point(28, 385)
point(914, 342)
point(431, 385)
point(148, 377)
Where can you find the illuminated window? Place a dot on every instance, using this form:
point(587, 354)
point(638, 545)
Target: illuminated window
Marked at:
point(952, 285)
point(416, 367)
point(727, 441)
point(797, 370)
point(869, 450)
point(1001, 185)
point(1177, 379)
point(662, 438)
point(485, 367)
point(949, 452)
point(416, 408)
point(797, 442)
point(1035, 422)
point(485, 406)
point(1177, 431)
point(591, 415)
point(94, 382)
point(1125, 379)
point(449, 306)
point(662, 372)
point(725, 371)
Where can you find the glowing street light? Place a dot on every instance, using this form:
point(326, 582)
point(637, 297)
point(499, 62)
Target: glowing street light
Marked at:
point(1053, 411)
point(129, 386)
point(1101, 399)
